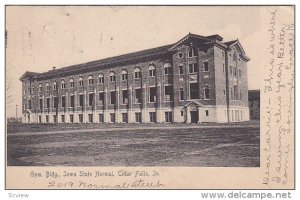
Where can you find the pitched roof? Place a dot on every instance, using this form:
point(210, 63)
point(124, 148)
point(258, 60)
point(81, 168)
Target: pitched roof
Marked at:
point(112, 60)
point(29, 74)
point(229, 43)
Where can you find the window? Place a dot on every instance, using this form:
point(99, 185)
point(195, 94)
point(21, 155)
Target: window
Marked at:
point(241, 115)
point(206, 92)
point(193, 68)
point(223, 54)
point(101, 98)
point(240, 73)
point(80, 116)
point(47, 86)
point(152, 71)
point(101, 118)
point(230, 70)
point(235, 90)
point(71, 83)
point(91, 99)
point(168, 93)
point(206, 113)
point(63, 84)
point(152, 94)
point(152, 116)
point(81, 100)
point(101, 78)
point(138, 95)
point(41, 105)
point(40, 87)
point(181, 94)
point(112, 117)
point(180, 69)
point(55, 102)
point(241, 95)
point(90, 79)
point(125, 96)
point(181, 113)
point(168, 69)
point(138, 117)
point(137, 73)
point(48, 102)
point(224, 91)
point(71, 118)
point(124, 117)
point(29, 104)
point(63, 118)
point(168, 117)
point(63, 102)
point(90, 118)
point(72, 101)
point(112, 97)
point(205, 66)
point(234, 56)
point(234, 71)
point(124, 75)
point(192, 52)
point(231, 93)
point(80, 81)
point(112, 77)
point(54, 118)
point(47, 118)
point(180, 55)
point(223, 68)
point(194, 91)
point(54, 86)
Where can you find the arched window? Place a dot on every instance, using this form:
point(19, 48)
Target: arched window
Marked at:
point(152, 71)
point(124, 74)
point(63, 84)
point(47, 86)
point(40, 87)
point(54, 85)
point(192, 52)
point(71, 82)
point(168, 69)
point(206, 92)
point(112, 76)
point(80, 81)
point(91, 81)
point(137, 73)
point(101, 78)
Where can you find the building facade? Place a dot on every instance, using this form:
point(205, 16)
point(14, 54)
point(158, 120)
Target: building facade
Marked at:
point(197, 79)
point(254, 104)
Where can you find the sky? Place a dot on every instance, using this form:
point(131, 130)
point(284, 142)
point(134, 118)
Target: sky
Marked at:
point(41, 37)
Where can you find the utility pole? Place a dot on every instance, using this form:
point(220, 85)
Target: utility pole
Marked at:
point(16, 112)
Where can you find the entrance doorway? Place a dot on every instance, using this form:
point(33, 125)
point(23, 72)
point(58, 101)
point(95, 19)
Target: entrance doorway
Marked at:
point(194, 117)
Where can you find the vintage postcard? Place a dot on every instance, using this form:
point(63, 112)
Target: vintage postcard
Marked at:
point(150, 97)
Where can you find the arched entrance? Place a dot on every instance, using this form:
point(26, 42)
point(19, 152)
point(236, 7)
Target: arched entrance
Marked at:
point(192, 112)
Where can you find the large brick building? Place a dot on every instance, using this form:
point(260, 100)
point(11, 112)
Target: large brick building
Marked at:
point(197, 79)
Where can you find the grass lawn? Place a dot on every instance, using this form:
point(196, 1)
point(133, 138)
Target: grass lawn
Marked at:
point(187, 145)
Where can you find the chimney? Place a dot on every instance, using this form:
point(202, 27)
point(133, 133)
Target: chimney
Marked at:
point(54, 68)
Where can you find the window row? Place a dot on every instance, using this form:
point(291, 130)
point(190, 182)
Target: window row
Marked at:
point(112, 118)
point(112, 78)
